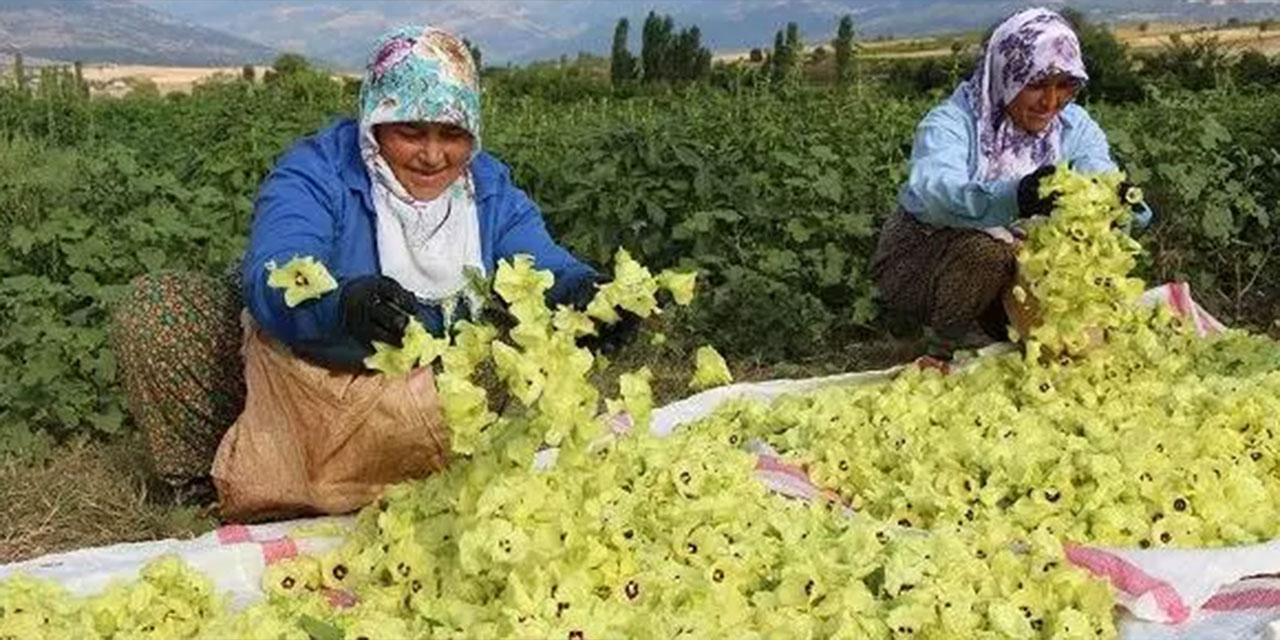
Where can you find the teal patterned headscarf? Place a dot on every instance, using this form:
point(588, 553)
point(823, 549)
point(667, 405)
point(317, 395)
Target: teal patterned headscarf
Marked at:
point(421, 74)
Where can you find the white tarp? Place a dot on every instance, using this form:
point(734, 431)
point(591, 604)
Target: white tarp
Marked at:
point(1210, 590)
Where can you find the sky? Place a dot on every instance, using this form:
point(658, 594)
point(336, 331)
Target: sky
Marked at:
point(340, 31)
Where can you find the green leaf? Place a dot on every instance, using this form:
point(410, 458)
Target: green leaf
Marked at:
point(798, 230)
point(152, 259)
point(831, 272)
point(107, 422)
point(319, 629)
point(1217, 222)
point(22, 239)
point(84, 283)
point(823, 153)
point(828, 186)
point(1213, 134)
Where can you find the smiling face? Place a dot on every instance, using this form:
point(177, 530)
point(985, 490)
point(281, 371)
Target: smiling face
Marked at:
point(1038, 104)
point(426, 157)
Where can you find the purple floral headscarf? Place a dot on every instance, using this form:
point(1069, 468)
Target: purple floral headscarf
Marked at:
point(1026, 48)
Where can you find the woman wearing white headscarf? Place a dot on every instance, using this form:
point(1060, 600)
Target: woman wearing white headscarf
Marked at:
point(404, 209)
point(946, 258)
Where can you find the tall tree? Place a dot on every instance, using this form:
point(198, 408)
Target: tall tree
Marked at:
point(704, 63)
point(474, 50)
point(651, 47)
point(699, 56)
point(622, 63)
point(795, 48)
point(685, 54)
point(667, 40)
point(289, 64)
point(1106, 60)
point(786, 52)
point(82, 87)
point(779, 65)
point(19, 72)
point(843, 45)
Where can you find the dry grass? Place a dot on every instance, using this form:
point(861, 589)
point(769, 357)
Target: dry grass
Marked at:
point(88, 494)
point(1240, 38)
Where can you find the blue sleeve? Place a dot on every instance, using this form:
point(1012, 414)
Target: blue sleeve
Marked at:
point(294, 216)
point(524, 231)
point(939, 188)
point(1090, 153)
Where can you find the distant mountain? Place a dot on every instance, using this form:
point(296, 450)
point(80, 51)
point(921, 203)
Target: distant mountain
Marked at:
point(198, 32)
point(117, 31)
point(524, 30)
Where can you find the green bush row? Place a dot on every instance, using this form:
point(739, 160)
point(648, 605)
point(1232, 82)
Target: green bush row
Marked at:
point(775, 197)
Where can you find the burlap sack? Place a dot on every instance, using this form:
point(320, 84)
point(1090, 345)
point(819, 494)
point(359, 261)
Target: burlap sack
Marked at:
point(315, 441)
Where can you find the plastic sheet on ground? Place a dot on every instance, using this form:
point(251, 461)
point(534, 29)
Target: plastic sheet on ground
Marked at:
point(1174, 594)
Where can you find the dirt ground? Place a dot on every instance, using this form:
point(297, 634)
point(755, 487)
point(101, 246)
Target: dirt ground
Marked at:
point(113, 77)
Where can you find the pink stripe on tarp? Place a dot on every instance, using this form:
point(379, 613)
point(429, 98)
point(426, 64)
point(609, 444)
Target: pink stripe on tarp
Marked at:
point(786, 484)
point(234, 534)
point(1244, 599)
point(1178, 299)
point(774, 465)
point(340, 598)
point(791, 480)
point(1187, 307)
point(274, 551)
point(1130, 579)
point(620, 423)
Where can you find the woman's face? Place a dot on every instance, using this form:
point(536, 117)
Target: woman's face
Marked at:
point(1038, 104)
point(426, 157)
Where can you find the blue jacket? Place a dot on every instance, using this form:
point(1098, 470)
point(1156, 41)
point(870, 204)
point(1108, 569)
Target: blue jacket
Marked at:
point(316, 202)
point(941, 188)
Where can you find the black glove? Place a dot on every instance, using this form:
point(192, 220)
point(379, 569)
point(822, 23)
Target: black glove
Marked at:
point(609, 338)
point(376, 308)
point(1130, 195)
point(1029, 201)
point(581, 295)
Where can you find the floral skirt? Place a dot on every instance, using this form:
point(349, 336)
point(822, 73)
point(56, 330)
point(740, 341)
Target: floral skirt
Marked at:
point(177, 340)
point(945, 278)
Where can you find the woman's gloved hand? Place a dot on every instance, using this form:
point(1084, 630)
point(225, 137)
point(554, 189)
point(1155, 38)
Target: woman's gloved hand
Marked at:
point(376, 307)
point(608, 337)
point(1131, 196)
point(1029, 201)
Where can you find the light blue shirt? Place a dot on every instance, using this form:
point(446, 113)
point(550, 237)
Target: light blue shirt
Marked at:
point(942, 189)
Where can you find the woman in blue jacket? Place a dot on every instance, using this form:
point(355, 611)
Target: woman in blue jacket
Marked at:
point(402, 206)
point(948, 255)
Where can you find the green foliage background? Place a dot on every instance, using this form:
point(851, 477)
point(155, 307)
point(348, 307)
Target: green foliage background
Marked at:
point(774, 194)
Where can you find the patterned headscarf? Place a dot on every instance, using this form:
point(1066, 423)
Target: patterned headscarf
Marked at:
point(422, 74)
point(1026, 48)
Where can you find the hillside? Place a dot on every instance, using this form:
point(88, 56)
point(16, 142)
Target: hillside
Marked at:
point(118, 31)
point(527, 30)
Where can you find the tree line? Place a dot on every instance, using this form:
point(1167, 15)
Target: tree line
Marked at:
point(670, 56)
